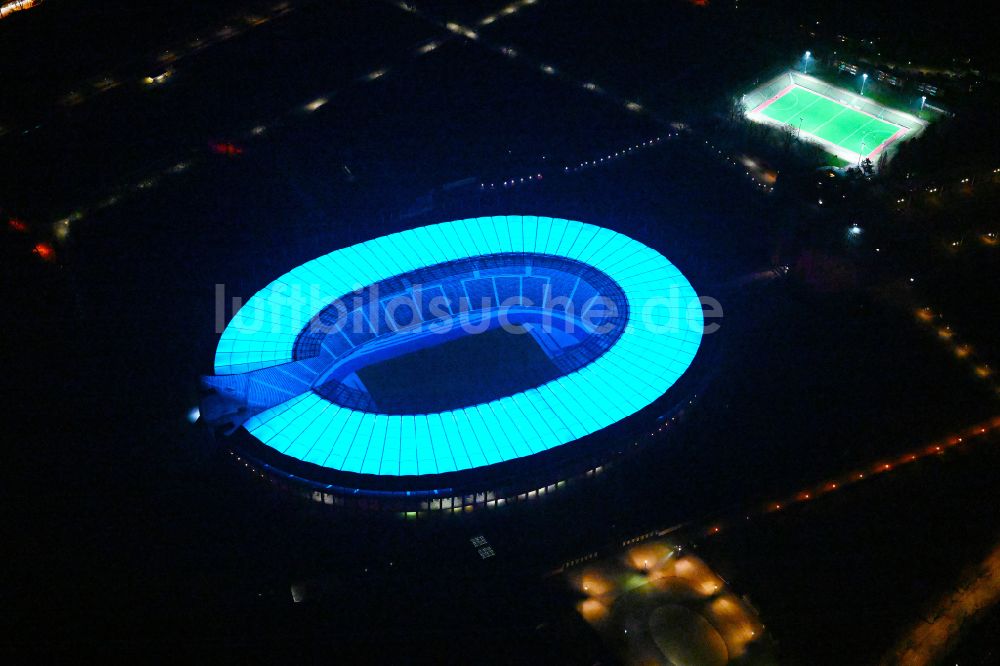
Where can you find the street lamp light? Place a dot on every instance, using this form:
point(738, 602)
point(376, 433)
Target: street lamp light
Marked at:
point(864, 80)
point(923, 100)
point(805, 62)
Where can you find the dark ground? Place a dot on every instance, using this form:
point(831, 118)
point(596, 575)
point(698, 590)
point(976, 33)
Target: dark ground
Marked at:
point(130, 533)
point(466, 371)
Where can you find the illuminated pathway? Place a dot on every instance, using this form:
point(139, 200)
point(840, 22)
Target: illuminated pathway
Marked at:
point(8, 8)
point(516, 56)
point(703, 528)
point(981, 432)
point(166, 61)
point(929, 642)
point(59, 229)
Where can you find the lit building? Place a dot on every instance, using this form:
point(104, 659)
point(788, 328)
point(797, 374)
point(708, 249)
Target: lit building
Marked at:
point(313, 366)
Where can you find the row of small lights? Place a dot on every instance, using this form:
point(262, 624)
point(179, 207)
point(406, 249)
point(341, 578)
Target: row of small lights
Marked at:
point(962, 351)
point(988, 238)
point(513, 182)
point(764, 187)
point(625, 152)
point(883, 466)
point(935, 321)
point(934, 188)
point(589, 164)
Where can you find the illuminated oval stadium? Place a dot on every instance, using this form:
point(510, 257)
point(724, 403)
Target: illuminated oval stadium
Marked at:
point(468, 358)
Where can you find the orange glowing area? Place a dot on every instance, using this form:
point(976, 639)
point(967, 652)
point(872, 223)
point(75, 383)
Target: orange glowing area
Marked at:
point(15, 224)
point(945, 333)
point(592, 610)
point(932, 637)
point(8, 8)
point(983, 371)
point(698, 573)
point(736, 624)
point(684, 567)
point(962, 351)
point(758, 170)
point(725, 606)
point(925, 314)
point(647, 556)
point(594, 584)
point(687, 616)
point(738, 638)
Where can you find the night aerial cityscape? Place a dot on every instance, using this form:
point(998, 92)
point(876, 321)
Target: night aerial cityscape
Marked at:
point(501, 332)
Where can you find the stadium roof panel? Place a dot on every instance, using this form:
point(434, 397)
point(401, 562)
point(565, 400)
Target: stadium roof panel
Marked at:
point(655, 346)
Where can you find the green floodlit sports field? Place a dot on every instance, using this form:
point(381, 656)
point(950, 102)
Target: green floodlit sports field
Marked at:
point(828, 120)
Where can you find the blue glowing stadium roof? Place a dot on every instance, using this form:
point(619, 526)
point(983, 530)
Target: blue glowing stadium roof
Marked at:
point(656, 346)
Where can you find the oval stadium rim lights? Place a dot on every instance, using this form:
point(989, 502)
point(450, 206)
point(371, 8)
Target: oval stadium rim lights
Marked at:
point(653, 349)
